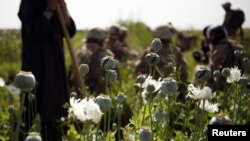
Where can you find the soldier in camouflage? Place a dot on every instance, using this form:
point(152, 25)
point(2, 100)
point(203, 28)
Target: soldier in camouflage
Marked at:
point(113, 43)
point(169, 57)
point(224, 53)
point(233, 20)
point(91, 52)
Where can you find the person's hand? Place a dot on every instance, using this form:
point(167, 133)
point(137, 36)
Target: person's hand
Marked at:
point(64, 11)
point(53, 4)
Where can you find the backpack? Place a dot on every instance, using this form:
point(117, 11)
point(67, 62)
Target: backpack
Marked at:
point(237, 57)
point(238, 18)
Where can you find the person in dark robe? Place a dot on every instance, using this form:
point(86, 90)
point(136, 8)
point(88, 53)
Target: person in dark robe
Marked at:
point(43, 55)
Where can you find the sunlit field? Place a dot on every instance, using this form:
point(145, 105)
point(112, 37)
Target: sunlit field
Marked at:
point(157, 113)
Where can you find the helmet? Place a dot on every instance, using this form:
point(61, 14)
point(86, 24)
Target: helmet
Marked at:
point(114, 30)
point(96, 33)
point(226, 5)
point(123, 30)
point(163, 32)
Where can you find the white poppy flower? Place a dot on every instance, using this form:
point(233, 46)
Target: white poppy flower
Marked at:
point(85, 109)
point(235, 75)
point(2, 83)
point(13, 89)
point(211, 108)
point(151, 84)
point(197, 93)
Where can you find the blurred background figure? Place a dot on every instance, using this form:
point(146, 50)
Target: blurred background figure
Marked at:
point(233, 21)
point(185, 42)
point(203, 55)
point(225, 53)
point(116, 42)
point(43, 55)
point(169, 56)
point(91, 52)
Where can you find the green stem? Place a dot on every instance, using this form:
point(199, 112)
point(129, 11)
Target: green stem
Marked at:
point(235, 101)
point(20, 116)
point(119, 126)
point(151, 120)
point(143, 116)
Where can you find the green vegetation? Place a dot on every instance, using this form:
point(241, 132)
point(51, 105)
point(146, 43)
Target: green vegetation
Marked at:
point(140, 36)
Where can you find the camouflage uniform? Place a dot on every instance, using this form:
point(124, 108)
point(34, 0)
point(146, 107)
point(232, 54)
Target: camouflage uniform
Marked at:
point(222, 55)
point(91, 53)
point(113, 43)
point(169, 56)
point(186, 42)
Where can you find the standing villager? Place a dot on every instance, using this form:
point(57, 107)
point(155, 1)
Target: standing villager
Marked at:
point(43, 55)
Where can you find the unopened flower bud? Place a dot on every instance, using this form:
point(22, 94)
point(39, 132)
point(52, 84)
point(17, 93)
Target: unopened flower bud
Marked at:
point(156, 44)
point(84, 69)
point(25, 80)
point(108, 62)
point(203, 74)
point(225, 72)
point(111, 75)
point(145, 135)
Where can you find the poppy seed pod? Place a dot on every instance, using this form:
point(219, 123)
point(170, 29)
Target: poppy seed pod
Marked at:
point(104, 102)
point(159, 115)
point(141, 79)
point(145, 135)
point(225, 72)
point(161, 95)
point(25, 80)
point(111, 75)
point(108, 62)
point(216, 74)
point(152, 58)
point(169, 86)
point(243, 82)
point(203, 74)
point(33, 137)
point(221, 120)
point(11, 109)
point(120, 98)
point(156, 44)
point(31, 96)
point(150, 88)
point(84, 69)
